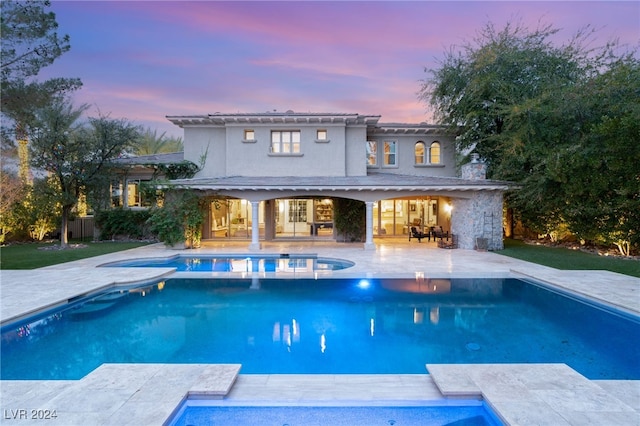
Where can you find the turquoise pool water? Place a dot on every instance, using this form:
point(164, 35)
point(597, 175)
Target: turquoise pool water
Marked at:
point(241, 263)
point(333, 326)
point(460, 413)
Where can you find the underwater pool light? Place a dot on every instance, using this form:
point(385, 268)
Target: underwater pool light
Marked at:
point(364, 284)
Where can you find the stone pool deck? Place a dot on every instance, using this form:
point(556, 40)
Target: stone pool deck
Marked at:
point(146, 394)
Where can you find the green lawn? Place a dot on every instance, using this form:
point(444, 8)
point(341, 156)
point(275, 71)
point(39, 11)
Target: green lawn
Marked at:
point(32, 256)
point(29, 256)
point(562, 258)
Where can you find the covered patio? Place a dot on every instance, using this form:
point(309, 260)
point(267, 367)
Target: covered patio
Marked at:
point(469, 201)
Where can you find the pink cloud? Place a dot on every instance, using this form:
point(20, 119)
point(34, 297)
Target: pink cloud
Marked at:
point(142, 59)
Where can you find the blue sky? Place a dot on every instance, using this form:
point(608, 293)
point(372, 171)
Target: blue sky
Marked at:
point(145, 60)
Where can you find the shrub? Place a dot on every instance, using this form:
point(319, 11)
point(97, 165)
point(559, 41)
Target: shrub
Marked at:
point(349, 218)
point(131, 224)
point(179, 219)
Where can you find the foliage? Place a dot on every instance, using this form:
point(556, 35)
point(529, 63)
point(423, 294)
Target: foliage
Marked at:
point(183, 170)
point(38, 255)
point(122, 222)
point(78, 156)
point(150, 189)
point(29, 42)
point(150, 143)
point(169, 171)
point(479, 85)
point(11, 192)
point(39, 211)
point(603, 177)
point(179, 219)
point(29, 38)
point(349, 218)
point(590, 178)
point(561, 122)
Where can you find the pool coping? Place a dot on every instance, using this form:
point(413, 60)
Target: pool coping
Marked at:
point(149, 393)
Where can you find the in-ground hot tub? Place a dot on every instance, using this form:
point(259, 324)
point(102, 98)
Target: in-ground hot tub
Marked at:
point(282, 262)
point(194, 412)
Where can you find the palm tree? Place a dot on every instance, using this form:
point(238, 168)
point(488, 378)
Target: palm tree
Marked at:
point(150, 143)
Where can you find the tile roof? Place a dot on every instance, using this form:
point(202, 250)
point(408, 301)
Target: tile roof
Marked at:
point(373, 181)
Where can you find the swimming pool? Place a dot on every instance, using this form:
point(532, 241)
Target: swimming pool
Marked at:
point(325, 326)
point(283, 262)
point(460, 412)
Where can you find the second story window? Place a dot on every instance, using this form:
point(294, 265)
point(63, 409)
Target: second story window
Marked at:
point(434, 153)
point(285, 142)
point(372, 153)
point(321, 135)
point(249, 135)
point(419, 152)
point(390, 153)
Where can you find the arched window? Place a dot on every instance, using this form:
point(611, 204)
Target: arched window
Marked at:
point(419, 152)
point(434, 153)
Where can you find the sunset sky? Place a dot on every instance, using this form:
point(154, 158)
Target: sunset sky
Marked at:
point(145, 60)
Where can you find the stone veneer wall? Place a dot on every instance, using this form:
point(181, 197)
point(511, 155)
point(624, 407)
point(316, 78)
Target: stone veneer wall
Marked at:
point(474, 171)
point(479, 216)
point(471, 219)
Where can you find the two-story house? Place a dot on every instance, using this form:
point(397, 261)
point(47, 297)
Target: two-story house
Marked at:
point(274, 175)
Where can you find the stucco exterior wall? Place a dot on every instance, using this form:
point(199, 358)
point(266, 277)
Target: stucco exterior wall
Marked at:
point(315, 158)
point(342, 154)
point(406, 164)
point(229, 154)
point(207, 142)
point(355, 151)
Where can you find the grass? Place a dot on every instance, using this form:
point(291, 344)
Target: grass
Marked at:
point(33, 255)
point(29, 256)
point(562, 258)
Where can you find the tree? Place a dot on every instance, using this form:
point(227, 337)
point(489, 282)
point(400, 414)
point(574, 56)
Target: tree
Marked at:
point(78, 156)
point(29, 42)
point(12, 190)
point(150, 143)
point(39, 210)
point(29, 39)
point(535, 112)
point(478, 86)
point(598, 169)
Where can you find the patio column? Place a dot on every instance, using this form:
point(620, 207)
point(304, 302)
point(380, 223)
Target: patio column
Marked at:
point(368, 243)
point(255, 226)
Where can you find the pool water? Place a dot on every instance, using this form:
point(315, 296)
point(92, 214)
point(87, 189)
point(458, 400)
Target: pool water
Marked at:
point(326, 326)
point(463, 413)
point(241, 263)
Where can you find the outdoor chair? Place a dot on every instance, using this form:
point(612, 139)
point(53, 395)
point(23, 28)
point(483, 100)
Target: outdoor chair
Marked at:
point(417, 234)
point(437, 232)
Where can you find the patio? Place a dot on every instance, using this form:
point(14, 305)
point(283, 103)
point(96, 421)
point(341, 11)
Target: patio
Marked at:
point(147, 394)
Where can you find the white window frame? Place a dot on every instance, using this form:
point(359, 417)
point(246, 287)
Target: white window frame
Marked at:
point(249, 135)
point(285, 142)
point(390, 157)
point(435, 146)
point(424, 153)
point(372, 153)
